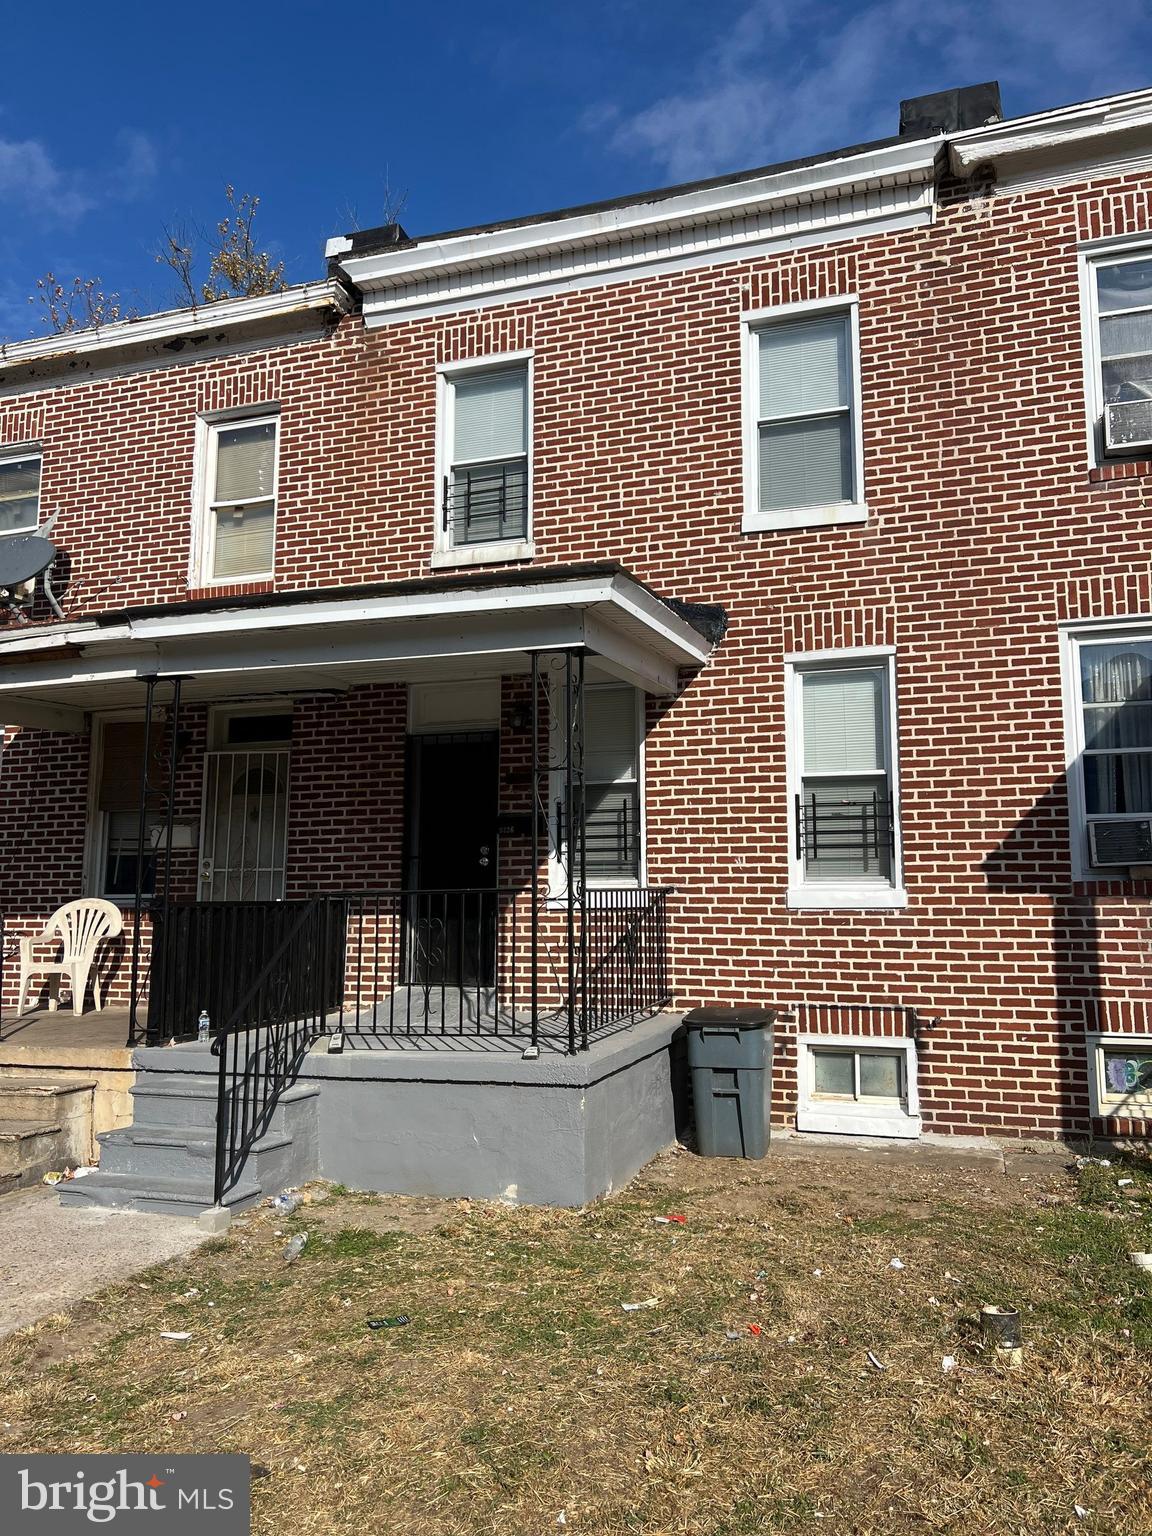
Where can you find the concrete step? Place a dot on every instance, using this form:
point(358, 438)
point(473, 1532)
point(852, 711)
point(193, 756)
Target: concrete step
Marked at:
point(182, 1099)
point(169, 1151)
point(167, 1196)
point(28, 1150)
point(59, 1110)
point(23, 1097)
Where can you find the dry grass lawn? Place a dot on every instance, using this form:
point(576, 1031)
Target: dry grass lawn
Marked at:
point(522, 1399)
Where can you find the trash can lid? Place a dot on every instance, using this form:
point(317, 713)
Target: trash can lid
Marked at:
point(729, 1018)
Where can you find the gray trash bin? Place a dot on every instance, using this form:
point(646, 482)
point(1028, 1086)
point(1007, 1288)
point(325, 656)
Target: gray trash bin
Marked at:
point(730, 1054)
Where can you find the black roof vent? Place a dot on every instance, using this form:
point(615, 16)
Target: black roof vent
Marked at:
point(969, 106)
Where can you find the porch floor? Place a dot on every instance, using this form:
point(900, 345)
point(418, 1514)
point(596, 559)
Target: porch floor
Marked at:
point(411, 1020)
point(60, 1039)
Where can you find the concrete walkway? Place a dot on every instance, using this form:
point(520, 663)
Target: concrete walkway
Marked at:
point(51, 1258)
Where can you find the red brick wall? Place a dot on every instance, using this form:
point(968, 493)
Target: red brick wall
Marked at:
point(988, 525)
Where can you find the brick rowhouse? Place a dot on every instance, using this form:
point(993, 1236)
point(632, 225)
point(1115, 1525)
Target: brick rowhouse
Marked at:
point(989, 524)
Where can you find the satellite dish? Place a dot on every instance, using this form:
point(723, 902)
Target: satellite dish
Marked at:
point(22, 558)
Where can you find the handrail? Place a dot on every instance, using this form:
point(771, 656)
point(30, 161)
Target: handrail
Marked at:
point(253, 991)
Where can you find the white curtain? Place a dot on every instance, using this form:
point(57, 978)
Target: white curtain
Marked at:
point(1116, 685)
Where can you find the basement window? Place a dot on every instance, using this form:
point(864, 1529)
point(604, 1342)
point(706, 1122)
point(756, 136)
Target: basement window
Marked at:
point(858, 1086)
point(1120, 1076)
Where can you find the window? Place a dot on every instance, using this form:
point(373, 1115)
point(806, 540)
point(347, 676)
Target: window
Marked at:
point(843, 789)
point(804, 453)
point(858, 1086)
point(1121, 323)
point(118, 785)
point(485, 493)
point(1120, 1076)
point(1110, 792)
point(240, 512)
point(613, 788)
point(612, 785)
point(20, 491)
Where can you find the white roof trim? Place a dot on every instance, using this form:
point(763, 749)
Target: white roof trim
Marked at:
point(1080, 128)
point(902, 165)
point(226, 314)
point(419, 624)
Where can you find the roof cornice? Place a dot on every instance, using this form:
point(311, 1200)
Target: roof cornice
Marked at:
point(891, 179)
point(98, 343)
point(1114, 126)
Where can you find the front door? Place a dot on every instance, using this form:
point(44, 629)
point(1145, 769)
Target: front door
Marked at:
point(451, 908)
point(244, 837)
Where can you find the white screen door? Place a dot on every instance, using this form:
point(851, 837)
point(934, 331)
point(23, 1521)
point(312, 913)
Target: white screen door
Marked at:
point(244, 843)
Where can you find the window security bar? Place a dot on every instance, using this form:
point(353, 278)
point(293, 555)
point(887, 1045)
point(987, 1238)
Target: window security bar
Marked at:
point(843, 828)
point(484, 502)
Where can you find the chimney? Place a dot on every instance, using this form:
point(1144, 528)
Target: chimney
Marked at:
point(969, 106)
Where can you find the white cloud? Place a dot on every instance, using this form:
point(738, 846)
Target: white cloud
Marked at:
point(782, 81)
point(33, 184)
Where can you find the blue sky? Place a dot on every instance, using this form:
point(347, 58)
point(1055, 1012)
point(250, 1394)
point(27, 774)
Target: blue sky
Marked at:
point(121, 118)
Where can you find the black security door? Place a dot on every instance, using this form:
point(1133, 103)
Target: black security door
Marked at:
point(452, 802)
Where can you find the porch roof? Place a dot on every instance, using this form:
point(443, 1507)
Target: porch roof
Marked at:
point(52, 676)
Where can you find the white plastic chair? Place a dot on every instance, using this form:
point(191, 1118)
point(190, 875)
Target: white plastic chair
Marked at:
point(80, 927)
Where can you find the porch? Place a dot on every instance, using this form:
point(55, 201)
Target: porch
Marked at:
point(478, 746)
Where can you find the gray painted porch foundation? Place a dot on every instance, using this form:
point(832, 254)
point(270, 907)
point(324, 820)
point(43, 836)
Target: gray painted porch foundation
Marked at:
point(449, 1116)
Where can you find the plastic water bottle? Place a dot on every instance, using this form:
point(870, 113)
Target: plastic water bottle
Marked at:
point(203, 1024)
point(295, 1248)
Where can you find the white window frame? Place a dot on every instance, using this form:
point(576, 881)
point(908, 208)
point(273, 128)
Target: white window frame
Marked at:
point(838, 1117)
point(208, 428)
point(1112, 1106)
point(1072, 637)
point(755, 519)
point(96, 825)
point(1092, 256)
point(558, 853)
point(857, 895)
point(446, 555)
point(22, 455)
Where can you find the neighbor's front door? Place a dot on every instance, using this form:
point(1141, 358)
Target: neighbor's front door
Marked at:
point(451, 908)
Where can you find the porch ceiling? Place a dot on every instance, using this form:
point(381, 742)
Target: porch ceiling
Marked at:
point(52, 677)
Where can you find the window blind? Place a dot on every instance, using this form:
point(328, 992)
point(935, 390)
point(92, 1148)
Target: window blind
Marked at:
point(19, 494)
point(245, 462)
point(490, 416)
point(610, 728)
point(843, 721)
point(804, 366)
point(121, 766)
point(244, 539)
point(806, 463)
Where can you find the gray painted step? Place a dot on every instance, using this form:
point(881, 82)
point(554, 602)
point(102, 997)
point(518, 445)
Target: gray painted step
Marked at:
point(165, 1160)
point(167, 1196)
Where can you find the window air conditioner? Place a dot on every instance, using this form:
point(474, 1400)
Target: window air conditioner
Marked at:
point(1127, 425)
point(1120, 842)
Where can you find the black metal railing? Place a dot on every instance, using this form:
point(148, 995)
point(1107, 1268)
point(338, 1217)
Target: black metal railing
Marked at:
point(486, 502)
point(626, 974)
point(446, 962)
point(860, 831)
point(407, 964)
point(262, 1043)
point(205, 954)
